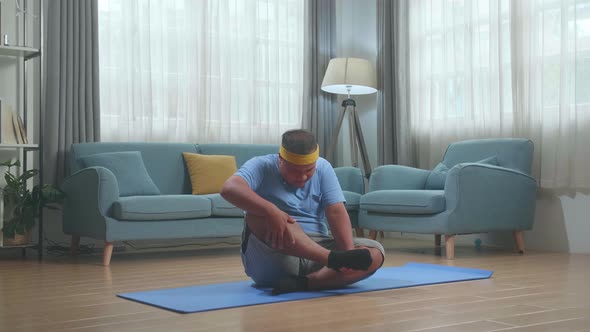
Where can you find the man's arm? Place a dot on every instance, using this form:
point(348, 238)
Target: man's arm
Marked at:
point(237, 191)
point(270, 223)
point(340, 225)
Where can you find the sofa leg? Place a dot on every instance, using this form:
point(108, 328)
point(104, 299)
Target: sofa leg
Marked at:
point(359, 232)
point(519, 240)
point(75, 245)
point(450, 245)
point(107, 253)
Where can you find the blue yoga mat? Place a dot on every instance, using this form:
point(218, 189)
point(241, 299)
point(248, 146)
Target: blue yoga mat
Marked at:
point(242, 293)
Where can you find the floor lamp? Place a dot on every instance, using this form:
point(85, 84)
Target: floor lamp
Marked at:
point(350, 76)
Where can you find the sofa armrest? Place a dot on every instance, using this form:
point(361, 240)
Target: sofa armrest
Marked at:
point(350, 179)
point(89, 196)
point(483, 198)
point(394, 177)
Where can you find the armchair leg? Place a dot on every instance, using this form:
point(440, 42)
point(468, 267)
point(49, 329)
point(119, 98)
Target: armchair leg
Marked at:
point(450, 245)
point(107, 253)
point(519, 240)
point(75, 245)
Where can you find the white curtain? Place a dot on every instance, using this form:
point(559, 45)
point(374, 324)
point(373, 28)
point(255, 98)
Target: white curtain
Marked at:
point(226, 71)
point(500, 68)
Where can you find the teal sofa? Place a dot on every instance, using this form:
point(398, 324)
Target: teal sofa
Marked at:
point(480, 186)
point(94, 206)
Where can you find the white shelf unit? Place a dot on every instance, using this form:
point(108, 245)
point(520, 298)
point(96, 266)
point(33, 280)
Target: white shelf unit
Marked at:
point(19, 52)
point(24, 55)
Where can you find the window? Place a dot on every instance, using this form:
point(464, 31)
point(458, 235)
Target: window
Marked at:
point(200, 71)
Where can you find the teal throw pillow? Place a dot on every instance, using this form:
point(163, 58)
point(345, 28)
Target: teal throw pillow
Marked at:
point(490, 161)
point(437, 177)
point(129, 169)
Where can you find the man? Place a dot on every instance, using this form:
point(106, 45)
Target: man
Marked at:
point(286, 244)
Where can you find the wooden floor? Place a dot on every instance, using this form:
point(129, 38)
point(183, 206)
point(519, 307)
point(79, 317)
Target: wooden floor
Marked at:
point(534, 292)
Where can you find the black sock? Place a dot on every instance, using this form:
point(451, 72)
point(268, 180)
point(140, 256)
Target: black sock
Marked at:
point(290, 284)
point(356, 259)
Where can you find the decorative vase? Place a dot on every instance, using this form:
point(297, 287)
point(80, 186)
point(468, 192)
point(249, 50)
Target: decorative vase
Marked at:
point(18, 240)
point(10, 202)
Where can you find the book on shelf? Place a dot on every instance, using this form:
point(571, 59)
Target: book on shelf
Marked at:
point(12, 130)
point(19, 128)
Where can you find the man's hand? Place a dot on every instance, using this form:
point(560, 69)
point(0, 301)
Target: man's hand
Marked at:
point(278, 235)
point(265, 220)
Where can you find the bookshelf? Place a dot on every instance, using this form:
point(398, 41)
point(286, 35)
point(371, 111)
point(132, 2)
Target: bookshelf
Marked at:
point(26, 147)
point(17, 93)
point(19, 52)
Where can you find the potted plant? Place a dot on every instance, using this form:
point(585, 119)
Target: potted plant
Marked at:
point(23, 205)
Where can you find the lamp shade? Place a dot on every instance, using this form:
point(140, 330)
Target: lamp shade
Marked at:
point(350, 76)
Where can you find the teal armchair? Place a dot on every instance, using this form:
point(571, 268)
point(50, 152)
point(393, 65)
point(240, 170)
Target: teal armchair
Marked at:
point(480, 186)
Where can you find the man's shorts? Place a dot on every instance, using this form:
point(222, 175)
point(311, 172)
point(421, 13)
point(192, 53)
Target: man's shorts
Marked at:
point(266, 266)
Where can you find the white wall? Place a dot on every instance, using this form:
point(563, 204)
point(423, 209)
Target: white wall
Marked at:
point(562, 220)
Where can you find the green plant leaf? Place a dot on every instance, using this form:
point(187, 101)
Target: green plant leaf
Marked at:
point(22, 205)
point(10, 163)
point(9, 230)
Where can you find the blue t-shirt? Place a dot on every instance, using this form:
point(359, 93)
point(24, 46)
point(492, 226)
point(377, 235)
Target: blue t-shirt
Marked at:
point(307, 205)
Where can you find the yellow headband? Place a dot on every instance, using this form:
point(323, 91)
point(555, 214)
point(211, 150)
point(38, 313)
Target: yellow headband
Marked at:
point(300, 159)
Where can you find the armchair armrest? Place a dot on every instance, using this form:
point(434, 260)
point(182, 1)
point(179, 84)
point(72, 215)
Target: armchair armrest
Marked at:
point(483, 198)
point(89, 195)
point(392, 177)
point(350, 179)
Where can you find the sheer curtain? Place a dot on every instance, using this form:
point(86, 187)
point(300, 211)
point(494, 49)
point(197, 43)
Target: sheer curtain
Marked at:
point(551, 74)
point(499, 68)
point(227, 71)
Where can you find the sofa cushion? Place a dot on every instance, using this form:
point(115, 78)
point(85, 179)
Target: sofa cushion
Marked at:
point(404, 201)
point(352, 200)
point(222, 208)
point(162, 207)
point(209, 172)
point(129, 170)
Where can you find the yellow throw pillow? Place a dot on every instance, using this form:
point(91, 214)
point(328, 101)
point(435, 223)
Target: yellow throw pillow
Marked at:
point(208, 172)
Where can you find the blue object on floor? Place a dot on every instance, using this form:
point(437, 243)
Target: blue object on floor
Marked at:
point(241, 293)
